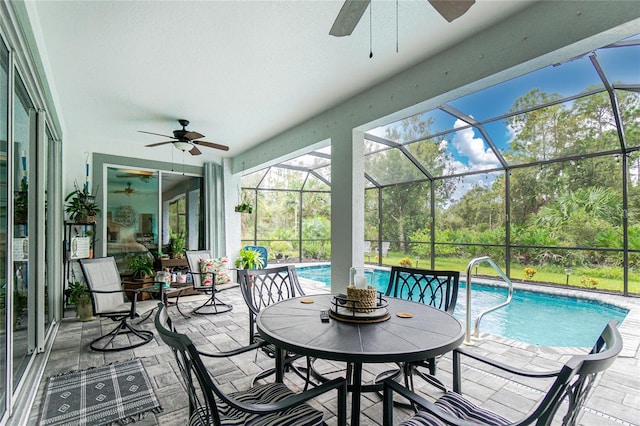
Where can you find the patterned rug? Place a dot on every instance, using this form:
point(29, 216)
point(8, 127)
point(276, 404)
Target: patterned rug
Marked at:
point(116, 393)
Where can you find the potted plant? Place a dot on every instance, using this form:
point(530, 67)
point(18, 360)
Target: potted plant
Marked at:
point(81, 206)
point(177, 244)
point(80, 297)
point(249, 259)
point(141, 266)
point(244, 208)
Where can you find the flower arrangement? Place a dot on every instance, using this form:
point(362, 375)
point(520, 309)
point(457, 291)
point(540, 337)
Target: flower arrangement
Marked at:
point(529, 273)
point(406, 262)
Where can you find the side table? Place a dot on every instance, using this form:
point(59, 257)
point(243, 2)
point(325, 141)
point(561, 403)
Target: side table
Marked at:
point(138, 285)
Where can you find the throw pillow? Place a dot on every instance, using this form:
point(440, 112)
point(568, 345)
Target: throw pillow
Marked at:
point(221, 270)
point(218, 268)
point(206, 270)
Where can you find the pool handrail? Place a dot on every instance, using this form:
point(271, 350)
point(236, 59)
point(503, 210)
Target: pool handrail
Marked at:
point(476, 330)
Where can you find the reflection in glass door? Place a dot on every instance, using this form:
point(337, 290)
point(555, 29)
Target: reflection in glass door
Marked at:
point(131, 214)
point(4, 223)
point(24, 291)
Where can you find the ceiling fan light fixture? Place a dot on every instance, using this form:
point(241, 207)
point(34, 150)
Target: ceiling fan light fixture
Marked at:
point(183, 146)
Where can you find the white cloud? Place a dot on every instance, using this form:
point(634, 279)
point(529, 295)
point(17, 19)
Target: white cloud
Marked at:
point(473, 148)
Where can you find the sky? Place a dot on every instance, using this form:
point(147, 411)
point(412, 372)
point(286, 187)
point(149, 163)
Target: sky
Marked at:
point(468, 149)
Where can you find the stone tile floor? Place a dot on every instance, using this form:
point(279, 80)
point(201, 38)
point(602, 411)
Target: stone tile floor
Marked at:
point(615, 400)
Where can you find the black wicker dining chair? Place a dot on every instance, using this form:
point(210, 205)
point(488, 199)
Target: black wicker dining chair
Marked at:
point(566, 395)
point(438, 289)
point(267, 404)
point(261, 288)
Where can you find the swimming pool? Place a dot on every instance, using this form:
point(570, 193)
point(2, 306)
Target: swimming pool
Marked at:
point(536, 318)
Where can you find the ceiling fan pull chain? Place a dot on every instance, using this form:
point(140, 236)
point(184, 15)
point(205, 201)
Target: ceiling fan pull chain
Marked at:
point(370, 30)
point(396, 26)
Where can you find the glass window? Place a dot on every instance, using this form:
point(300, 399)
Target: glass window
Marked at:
point(278, 214)
point(629, 105)
point(319, 179)
point(570, 204)
point(252, 180)
point(24, 295)
point(180, 213)
point(131, 214)
point(474, 212)
point(573, 128)
point(283, 178)
point(4, 222)
point(389, 166)
point(621, 64)
point(247, 221)
point(633, 193)
point(563, 80)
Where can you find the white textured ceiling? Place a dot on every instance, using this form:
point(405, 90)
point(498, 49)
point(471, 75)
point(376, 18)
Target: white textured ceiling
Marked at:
point(240, 71)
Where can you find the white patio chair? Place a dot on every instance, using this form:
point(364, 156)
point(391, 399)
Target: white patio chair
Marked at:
point(108, 297)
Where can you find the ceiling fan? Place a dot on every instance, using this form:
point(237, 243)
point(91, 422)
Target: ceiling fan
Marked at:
point(143, 175)
point(126, 191)
point(186, 140)
point(352, 11)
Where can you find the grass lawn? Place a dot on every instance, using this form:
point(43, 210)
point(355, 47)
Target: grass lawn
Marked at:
point(609, 279)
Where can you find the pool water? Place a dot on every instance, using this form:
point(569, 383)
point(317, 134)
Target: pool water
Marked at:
point(536, 318)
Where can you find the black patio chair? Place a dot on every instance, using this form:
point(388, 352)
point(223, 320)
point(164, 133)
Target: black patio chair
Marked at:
point(108, 298)
point(213, 305)
point(261, 288)
point(567, 394)
point(272, 403)
point(430, 287)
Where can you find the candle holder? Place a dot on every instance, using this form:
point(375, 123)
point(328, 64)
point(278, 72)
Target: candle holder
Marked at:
point(362, 299)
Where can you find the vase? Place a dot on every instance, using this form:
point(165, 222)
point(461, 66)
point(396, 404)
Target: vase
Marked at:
point(85, 311)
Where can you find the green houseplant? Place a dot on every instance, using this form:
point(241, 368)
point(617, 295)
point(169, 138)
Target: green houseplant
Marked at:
point(244, 208)
point(81, 206)
point(177, 245)
point(141, 266)
point(80, 297)
point(249, 259)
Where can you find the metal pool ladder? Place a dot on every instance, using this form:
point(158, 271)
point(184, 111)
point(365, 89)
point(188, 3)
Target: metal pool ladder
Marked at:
point(476, 330)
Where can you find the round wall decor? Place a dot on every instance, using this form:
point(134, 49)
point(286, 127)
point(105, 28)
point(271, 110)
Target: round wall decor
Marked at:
point(125, 216)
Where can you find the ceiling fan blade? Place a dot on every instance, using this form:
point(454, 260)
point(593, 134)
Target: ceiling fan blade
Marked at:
point(195, 151)
point(157, 134)
point(348, 17)
point(211, 145)
point(193, 135)
point(160, 143)
point(451, 9)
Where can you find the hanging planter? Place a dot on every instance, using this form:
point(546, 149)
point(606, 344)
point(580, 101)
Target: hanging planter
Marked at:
point(81, 205)
point(244, 208)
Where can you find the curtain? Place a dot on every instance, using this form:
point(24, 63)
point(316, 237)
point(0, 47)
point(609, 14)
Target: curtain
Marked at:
point(214, 209)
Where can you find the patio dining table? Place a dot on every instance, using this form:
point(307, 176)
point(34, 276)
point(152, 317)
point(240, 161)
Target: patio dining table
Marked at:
point(294, 325)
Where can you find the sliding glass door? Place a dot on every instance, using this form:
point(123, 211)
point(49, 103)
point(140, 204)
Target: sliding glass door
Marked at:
point(131, 214)
point(4, 222)
point(24, 283)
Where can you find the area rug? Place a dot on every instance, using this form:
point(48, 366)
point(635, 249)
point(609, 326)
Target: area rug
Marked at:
point(116, 393)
